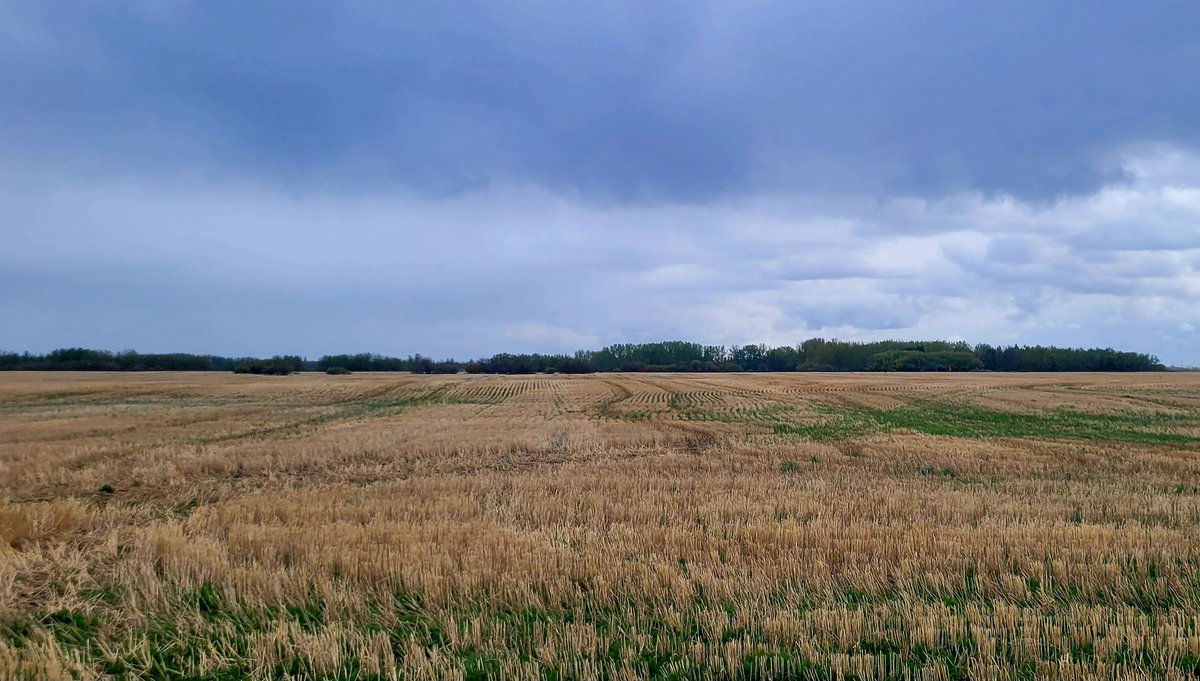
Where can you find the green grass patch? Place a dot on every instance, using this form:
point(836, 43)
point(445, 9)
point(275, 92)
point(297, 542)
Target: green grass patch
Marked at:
point(72, 628)
point(967, 421)
point(16, 633)
point(107, 595)
point(209, 623)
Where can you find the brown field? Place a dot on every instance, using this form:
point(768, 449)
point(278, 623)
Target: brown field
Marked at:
point(933, 526)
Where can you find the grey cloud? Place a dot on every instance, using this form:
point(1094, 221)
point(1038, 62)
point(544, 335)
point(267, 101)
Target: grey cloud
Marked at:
point(1010, 250)
point(1047, 271)
point(1141, 235)
point(614, 102)
point(820, 264)
point(230, 268)
point(165, 309)
point(884, 315)
point(105, 265)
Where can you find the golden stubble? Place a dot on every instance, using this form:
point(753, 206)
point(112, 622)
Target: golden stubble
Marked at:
point(582, 524)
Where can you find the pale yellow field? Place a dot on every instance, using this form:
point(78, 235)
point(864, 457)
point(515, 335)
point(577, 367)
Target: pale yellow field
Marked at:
point(618, 526)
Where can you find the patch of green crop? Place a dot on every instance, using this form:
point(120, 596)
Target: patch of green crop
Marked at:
point(16, 633)
point(215, 626)
point(108, 595)
point(967, 421)
point(832, 427)
point(761, 664)
point(479, 665)
point(175, 655)
point(940, 418)
point(73, 628)
point(880, 646)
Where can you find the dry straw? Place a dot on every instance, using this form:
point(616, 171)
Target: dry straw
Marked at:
point(599, 527)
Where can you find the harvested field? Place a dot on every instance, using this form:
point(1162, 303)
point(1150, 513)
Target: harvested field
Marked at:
point(615, 526)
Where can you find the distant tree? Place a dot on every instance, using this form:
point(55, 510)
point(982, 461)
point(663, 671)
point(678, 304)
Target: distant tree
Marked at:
point(363, 362)
point(577, 365)
point(912, 360)
point(279, 365)
point(424, 365)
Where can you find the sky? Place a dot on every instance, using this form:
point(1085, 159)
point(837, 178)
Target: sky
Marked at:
point(464, 178)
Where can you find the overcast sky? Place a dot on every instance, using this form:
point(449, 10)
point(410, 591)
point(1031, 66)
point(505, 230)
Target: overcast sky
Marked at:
point(460, 178)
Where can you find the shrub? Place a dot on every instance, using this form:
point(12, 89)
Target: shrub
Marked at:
point(337, 371)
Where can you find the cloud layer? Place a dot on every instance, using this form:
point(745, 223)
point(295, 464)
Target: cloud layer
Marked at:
point(457, 179)
point(239, 269)
point(616, 101)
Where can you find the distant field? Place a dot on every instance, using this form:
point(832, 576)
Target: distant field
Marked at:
point(606, 526)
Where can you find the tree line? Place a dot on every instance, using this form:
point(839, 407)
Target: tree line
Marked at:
point(816, 354)
point(819, 354)
point(82, 359)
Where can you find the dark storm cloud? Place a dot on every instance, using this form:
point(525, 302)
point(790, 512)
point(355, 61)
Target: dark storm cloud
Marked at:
point(614, 101)
point(458, 179)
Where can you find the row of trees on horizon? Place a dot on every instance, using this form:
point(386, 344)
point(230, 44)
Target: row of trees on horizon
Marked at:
point(816, 354)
